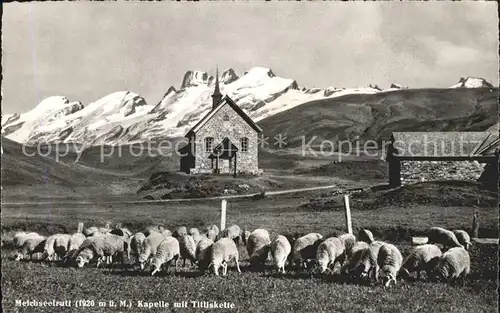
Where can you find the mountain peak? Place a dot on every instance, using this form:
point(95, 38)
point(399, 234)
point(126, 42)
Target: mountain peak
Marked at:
point(395, 86)
point(472, 82)
point(374, 87)
point(52, 103)
point(195, 78)
point(228, 76)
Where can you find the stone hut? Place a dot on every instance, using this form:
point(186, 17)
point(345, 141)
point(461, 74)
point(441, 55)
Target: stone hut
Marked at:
point(223, 142)
point(424, 156)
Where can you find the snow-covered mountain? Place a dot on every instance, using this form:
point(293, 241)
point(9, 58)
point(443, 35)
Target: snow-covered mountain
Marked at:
point(472, 82)
point(124, 117)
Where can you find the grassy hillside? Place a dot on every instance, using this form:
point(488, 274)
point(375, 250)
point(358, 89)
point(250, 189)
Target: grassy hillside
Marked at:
point(376, 116)
point(29, 174)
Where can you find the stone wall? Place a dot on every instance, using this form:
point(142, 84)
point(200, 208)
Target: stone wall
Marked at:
point(419, 171)
point(234, 129)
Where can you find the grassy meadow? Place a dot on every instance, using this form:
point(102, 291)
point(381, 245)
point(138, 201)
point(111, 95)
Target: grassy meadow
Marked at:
point(254, 291)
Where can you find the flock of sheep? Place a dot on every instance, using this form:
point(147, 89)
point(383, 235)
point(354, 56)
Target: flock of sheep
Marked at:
point(359, 259)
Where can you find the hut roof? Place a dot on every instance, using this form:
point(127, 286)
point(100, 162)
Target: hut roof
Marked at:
point(444, 144)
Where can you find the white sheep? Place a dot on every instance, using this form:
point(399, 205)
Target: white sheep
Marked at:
point(463, 238)
point(349, 241)
point(94, 231)
point(167, 252)
point(356, 254)
point(329, 252)
point(180, 231)
point(223, 251)
point(198, 238)
point(125, 232)
point(258, 246)
point(280, 249)
point(21, 237)
point(136, 243)
point(420, 258)
point(193, 231)
point(366, 236)
point(389, 260)
point(203, 253)
point(32, 243)
point(304, 248)
point(74, 242)
point(149, 247)
point(106, 229)
point(155, 228)
point(187, 249)
point(102, 247)
point(232, 232)
point(445, 237)
point(61, 245)
point(90, 231)
point(166, 233)
point(211, 232)
point(452, 265)
point(56, 246)
point(367, 267)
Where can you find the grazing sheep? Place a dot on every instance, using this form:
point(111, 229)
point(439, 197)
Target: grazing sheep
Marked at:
point(74, 242)
point(124, 232)
point(32, 243)
point(423, 257)
point(211, 232)
point(463, 238)
point(331, 250)
point(198, 238)
point(367, 267)
point(136, 243)
point(280, 249)
point(187, 249)
point(149, 247)
point(389, 260)
point(203, 253)
point(90, 231)
point(452, 265)
point(167, 252)
point(21, 237)
point(223, 251)
point(166, 233)
point(55, 246)
point(104, 246)
point(357, 252)
point(232, 232)
point(349, 241)
point(194, 232)
point(258, 245)
point(304, 248)
point(84, 256)
point(106, 229)
point(61, 245)
point(153, 228)
point(180, 231)
point(446, 238)
point(366, 236)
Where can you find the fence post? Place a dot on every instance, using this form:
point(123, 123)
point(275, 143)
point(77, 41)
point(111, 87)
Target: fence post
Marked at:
point(347, 209)
point(223, 215)
point(475, 225)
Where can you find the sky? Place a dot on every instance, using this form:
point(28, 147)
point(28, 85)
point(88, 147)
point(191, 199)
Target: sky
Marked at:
point(86, 50)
